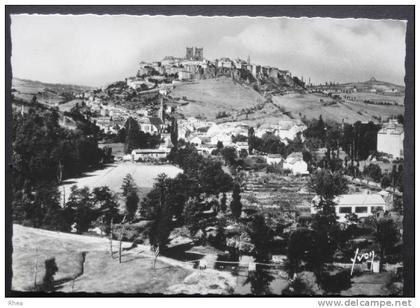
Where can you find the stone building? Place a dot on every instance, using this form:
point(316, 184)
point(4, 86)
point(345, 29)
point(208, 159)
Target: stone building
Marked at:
point(190, 53)
point(391, 139)
point(198, 55)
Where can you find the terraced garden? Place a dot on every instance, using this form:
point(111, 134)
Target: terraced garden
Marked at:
point(267, 191)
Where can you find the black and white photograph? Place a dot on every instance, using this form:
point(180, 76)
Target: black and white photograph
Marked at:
point(179, 154)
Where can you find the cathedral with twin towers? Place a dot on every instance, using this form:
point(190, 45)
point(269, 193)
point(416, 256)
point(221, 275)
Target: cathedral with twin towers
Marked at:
point(194, 54)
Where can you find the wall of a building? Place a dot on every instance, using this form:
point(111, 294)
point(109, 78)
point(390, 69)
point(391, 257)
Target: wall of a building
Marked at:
point(391, 144)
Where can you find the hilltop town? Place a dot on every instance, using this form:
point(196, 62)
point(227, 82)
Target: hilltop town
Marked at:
point(227, 165)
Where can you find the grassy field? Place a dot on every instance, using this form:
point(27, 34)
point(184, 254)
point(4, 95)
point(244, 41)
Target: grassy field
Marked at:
point(98, 273)
point(211, 96)
point(26, 89)
point(112, 176)
point(399, 99)
point(214, 95)
point(310, 106)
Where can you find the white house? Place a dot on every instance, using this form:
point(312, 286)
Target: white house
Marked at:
point(224, 62)
point(196, 140)
point(136, 83)
point(274, 159)
point(241, 146)
point(151, 125)
point(150, 154)
point(184, 75)
point(224, 138)
point(391, 139)
point(363, 205)
point(289, 129)
point(295, 163)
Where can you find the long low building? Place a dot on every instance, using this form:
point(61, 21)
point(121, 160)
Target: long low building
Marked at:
point(149, 154)
point(363, 205)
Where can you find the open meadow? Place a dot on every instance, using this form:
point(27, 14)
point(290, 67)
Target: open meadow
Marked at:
point(214, 95)
point(312, 106)
point(112, 176)
point(97, 271)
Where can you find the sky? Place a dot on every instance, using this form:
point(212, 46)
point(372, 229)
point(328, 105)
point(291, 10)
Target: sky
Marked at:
point(96, 50)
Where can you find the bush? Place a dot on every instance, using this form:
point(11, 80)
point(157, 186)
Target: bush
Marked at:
point(336, 283)
point(373, 171)
point(137, 232)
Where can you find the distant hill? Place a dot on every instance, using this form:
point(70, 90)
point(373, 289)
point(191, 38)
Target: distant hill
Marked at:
point(372, 83)
point(34, 86)
point(46, 93)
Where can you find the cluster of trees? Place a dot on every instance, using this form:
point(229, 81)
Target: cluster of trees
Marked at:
point(44, 154)
point(222, 114)
point(392, 179)
point(82, 210)
point(317, 240)
point(357, 140)
point(310, 247)
point(206, 172)
point(85, 207)
point(135, 138)
point(269, 143)
point(186, 197)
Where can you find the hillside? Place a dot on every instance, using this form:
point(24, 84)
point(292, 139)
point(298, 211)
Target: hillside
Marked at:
point(98, 272)
point(375, 84)
point(48, 93)
point(34, 86)
point(209, 96)
point(312, 106)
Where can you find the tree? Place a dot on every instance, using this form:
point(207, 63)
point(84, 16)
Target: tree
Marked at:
point(259, 280)
point(193, 215)
point(261, 237)
point(39, 208)
point(320, 242)
point(328, 184)
point(373, 171)
point(243, 153)
point(161, 214)
point(132, 129)
point(213, 179)
point(223, 206)
point(129, 192)
point(251, 136)
point(121, 135)
point(179, 190)
point(301, 250)
point(315, 133)
point(174, 132)
point(235, 204)
point(131, 205)
point(386, 181)
point(128, 185)
point(104, 200)
point(307, 157)
point(219, 146)
point(79, 208)
point(385, 231)
point(106, 153)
